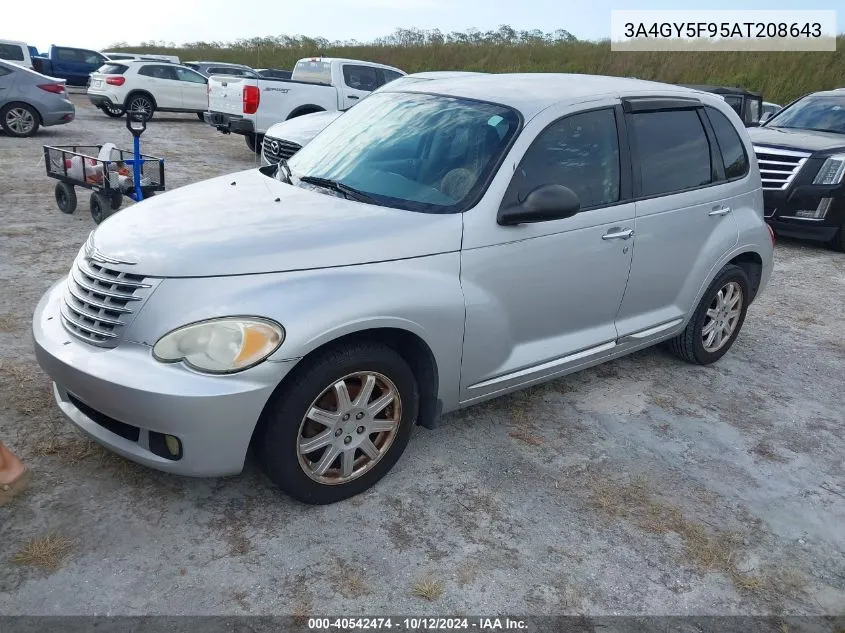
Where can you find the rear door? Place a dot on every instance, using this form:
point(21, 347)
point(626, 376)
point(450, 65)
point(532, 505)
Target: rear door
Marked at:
point(160, 80)
point(194, 89)
point(358, 82)
point(684, 209)
point(7, 80)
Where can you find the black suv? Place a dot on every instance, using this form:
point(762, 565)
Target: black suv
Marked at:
point(801, 154)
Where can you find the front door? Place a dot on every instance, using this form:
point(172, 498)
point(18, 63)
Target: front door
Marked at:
point(358, 82)
point(160, 80)
point(194, 89)
point(542, 297)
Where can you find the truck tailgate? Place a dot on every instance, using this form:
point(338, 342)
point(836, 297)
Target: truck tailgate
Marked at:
point(225, 94)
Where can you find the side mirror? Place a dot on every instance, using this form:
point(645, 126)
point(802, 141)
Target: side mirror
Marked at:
point(546, 202)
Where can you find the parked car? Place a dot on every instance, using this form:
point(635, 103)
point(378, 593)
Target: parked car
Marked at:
point(250, 106)
point(148, 87)
point(274, 73)
point(29, 100)
point(769, 110)
point(141, 56)
point(17, 53)
point(74, 65)
point(284, 139)
point(222, 68)
point(748, 105)
point(801, 153)
point(434, 248)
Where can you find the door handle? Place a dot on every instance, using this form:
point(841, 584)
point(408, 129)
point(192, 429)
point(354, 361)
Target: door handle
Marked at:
point(353, 97)
point(720, 210)
point(618, 234)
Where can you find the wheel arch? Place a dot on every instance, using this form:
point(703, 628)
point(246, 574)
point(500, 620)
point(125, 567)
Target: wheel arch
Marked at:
point(408, 344)
point(752, 263)
point(306, 109)
point(138, 91)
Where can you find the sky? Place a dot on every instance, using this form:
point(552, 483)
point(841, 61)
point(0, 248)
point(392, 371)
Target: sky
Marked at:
point(74, 24)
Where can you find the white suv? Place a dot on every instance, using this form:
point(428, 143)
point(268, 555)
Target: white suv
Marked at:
point(148, 86)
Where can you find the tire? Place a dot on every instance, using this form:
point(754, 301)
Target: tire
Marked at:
point(116, 200)
point(100, 207)
point(254, 142)
point(284, 422)
point(200, 116)
point(19, 120)
point(690, 344)
point(65, 197)
point(113, 111)
point(838, 241)
point(143, 102)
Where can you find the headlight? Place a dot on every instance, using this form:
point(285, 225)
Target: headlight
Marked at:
point(221, 346)
point(832, 170)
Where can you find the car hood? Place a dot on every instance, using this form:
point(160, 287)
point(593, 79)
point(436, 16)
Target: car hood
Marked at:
point(302, 129)
point(246, 223)
point(807, 140)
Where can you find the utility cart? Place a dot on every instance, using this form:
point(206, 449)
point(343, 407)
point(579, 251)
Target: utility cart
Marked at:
point(109, 172)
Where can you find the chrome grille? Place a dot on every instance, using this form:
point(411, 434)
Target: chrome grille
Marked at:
point(276, 149)
point(98, 301)
point(778, 167)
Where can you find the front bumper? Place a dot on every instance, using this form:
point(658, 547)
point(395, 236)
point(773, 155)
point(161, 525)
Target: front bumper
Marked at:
point(229, 123)
point(212, 416)
point(781, 209)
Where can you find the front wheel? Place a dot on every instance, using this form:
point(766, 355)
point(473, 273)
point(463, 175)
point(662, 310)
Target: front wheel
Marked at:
point(838, 241)
point(340, 424)
point(717, 320)
point(114, 111)
point(65, 197)
point(201, 116)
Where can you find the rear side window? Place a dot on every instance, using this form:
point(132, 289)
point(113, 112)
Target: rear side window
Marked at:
point(673, 152)
point(69, 55)
point(112, 69)
point(390, 75)
point(361, 77)
point(730, 145)
point(158, 72)
point(581, 152)
point(11, 52)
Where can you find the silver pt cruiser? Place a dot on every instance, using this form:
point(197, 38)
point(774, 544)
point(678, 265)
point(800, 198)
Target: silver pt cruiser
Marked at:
point(440, 244)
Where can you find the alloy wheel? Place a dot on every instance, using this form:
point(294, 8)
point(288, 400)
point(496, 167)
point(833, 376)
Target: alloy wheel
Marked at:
point(349, 427)
point(722, 317)
point(20, 121)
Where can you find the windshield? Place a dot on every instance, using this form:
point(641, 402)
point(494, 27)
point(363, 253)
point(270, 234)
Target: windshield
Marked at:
point(826, 114)
point(412, 151)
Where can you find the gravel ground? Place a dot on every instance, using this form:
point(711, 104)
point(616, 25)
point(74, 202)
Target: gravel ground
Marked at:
point(644, 486)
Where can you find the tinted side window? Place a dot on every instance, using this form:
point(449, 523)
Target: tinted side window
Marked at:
point(189, 75)
point(11, 51)
point(68, 55)
point(90, 57)
point(580, 152)
point(390, 75)
point(673, 152)
point(361, 77)
point(158, 72)
point(733, 151)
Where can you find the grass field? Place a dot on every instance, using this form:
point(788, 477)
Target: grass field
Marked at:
point(780, 76)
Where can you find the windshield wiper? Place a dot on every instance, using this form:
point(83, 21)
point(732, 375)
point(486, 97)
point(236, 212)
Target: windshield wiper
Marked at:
point(350, 192)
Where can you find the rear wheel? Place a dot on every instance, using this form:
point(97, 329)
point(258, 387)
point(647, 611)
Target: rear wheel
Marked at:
point(19, 119)
point(717, 320)
point(340, 425)
point(141, 103)
point(65, 197)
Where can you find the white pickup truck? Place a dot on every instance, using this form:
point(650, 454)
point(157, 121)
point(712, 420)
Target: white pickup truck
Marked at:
point(247, 106)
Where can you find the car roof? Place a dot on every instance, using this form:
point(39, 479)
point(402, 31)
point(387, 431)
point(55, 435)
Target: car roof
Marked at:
point(722, 90)
point(443, 74)
point(219, 64)
point(531, 93)
point(344, 60)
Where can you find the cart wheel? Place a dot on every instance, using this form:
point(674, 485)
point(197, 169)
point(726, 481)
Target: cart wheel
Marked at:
point(116, 200)
point(65, 197)
point(100, 207)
